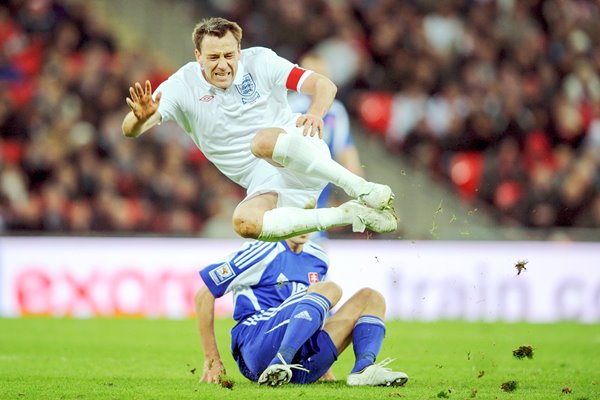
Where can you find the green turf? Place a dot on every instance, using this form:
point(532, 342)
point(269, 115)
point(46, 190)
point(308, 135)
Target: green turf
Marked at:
point(160, 359)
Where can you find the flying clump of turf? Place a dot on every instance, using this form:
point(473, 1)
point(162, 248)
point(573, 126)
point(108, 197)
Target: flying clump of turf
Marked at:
point(522, 352)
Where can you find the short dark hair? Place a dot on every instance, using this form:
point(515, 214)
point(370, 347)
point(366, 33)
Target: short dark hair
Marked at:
point(215, 26)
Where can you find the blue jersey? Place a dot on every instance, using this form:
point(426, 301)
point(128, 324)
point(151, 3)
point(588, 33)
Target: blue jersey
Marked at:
point(336, 132)
point(263, 275)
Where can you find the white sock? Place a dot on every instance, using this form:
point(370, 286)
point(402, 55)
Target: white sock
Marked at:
point(286, 222)
point(299, 154)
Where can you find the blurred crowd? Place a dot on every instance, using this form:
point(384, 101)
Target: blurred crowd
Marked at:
point(64, 163)
point(509, 88)
point(499, 98)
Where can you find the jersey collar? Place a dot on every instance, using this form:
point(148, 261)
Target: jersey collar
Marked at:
point(239, 76)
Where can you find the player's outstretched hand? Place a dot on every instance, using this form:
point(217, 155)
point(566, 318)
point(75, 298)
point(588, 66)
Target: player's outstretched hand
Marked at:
point(212, 370)
point(313, 124)
point(141, 102)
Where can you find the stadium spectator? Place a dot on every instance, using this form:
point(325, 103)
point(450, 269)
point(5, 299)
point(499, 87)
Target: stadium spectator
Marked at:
point(250, 133)
point(281, 302)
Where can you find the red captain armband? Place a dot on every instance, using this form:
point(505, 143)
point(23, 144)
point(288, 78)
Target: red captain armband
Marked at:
point(294, 78)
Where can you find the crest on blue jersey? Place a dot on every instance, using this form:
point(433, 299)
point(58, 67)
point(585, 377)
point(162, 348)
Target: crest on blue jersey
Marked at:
point(222, 273)
point(248, 89)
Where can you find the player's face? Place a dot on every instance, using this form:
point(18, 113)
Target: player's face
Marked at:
point(297, 242)
point(219, 59)
point(300, 239)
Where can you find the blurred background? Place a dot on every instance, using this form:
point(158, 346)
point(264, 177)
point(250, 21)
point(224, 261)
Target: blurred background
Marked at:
point(483, 116)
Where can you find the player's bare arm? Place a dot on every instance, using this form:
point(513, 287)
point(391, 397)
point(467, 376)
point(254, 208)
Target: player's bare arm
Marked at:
point(144, 110)
point(322, 90)
point(350, 159)
point(205, 318)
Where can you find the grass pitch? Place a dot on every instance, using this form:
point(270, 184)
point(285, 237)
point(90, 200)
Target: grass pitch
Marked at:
point(160, 359)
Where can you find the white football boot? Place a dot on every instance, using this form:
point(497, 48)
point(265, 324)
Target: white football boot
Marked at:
point(364, 217)
point(279, 374)
point(377, 196)
point(377, 375)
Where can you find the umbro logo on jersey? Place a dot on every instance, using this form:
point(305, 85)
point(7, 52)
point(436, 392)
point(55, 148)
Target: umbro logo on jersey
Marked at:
point(207, 98)
point(303, 315)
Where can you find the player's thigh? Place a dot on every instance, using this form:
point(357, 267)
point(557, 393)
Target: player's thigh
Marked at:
point(314, 141)
point(292, 189)
point(254, 207)
point(262, 338)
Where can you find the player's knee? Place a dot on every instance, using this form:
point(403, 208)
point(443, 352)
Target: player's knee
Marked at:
point(371, 297)
point(331, 290)
point(247, 228)
point(264, 141)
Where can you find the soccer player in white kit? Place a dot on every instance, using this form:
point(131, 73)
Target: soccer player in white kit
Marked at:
point(232, 103)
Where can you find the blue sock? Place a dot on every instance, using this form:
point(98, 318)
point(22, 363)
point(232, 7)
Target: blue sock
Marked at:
point(367, 338)
point(308, 316)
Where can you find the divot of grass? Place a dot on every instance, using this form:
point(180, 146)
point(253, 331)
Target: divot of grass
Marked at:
point(509, 386)
point(523, 351)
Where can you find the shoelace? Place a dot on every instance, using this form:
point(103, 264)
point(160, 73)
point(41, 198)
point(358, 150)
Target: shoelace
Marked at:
point(382, 364)
point(294, 366)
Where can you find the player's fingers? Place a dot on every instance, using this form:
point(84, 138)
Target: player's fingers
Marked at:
point(307, 128)
point(130, 103)
point(138, 89)
point(148, 88)
point(300, 121)
point(157, 97)
point(314, 127)
point(133, 95)
point(320, 130)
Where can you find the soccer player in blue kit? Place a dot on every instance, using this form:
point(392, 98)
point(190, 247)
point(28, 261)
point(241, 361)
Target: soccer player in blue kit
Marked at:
point(281, 302)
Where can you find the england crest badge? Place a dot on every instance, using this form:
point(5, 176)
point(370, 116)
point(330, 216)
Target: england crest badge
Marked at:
point(248, 90)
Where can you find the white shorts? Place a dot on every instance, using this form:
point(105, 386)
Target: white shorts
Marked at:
point(294, 189)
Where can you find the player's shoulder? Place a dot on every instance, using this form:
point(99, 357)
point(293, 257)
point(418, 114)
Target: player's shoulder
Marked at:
point(187, 73)
point(256, 51)
point(257, 57)
point(315, 250)
point(255, 252)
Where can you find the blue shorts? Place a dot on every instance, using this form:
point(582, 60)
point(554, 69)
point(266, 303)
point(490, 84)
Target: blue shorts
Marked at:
point(255, 341)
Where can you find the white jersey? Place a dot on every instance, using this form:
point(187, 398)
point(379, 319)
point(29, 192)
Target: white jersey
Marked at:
point(223, 122)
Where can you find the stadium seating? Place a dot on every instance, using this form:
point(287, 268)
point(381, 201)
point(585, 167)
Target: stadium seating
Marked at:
point(465, 170)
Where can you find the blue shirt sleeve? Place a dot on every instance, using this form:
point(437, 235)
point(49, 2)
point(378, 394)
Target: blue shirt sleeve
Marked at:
point(221, 277)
